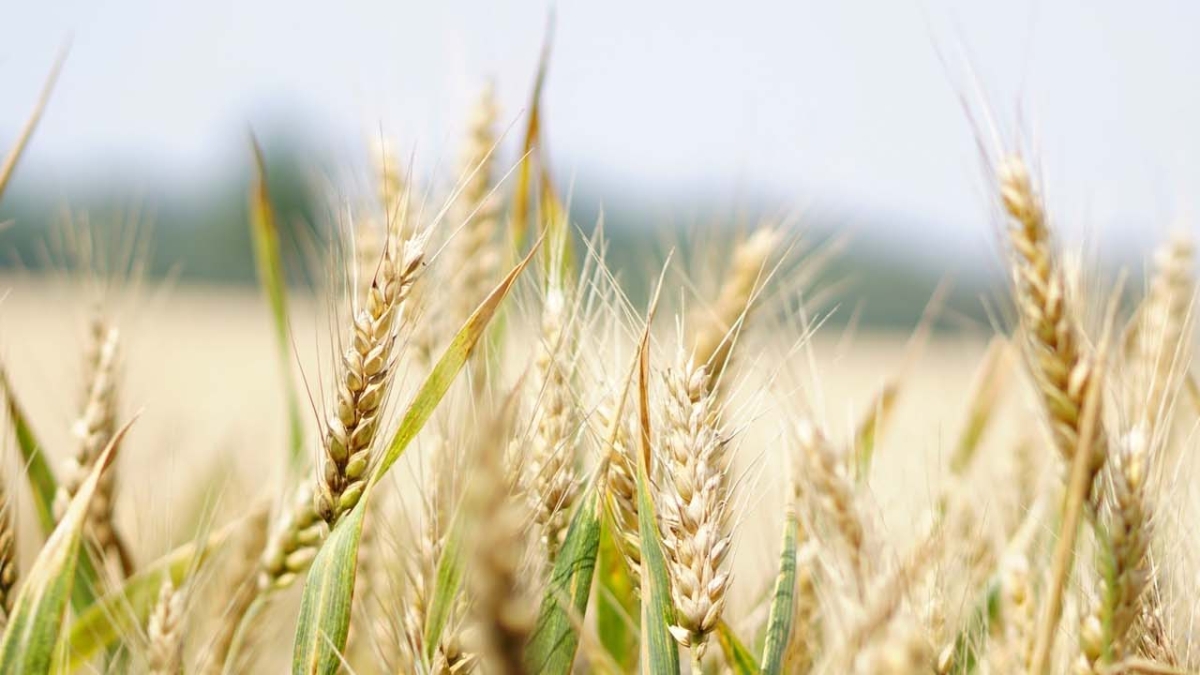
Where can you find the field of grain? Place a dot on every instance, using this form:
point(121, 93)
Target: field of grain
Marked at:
point(461, 448)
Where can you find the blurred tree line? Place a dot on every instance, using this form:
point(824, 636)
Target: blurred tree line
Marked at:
point(201, 234)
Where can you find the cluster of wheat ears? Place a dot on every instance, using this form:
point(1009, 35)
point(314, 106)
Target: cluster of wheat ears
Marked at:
point(577, 505)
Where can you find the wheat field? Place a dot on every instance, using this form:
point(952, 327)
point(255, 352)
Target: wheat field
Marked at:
point(464, 449)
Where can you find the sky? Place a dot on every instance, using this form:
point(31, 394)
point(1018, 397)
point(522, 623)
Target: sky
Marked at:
point(853, 107)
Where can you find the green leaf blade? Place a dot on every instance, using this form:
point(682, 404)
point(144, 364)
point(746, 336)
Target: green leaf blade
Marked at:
point(556, 637)
point(450, 568)
point(124, 610)
point(737, 656)
point(325, 607)
point(268, 259)
point(660, 652)
point(783, 605)
point(31, 638)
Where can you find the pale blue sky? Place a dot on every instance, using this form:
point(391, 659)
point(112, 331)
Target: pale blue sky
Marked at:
point(844, 105)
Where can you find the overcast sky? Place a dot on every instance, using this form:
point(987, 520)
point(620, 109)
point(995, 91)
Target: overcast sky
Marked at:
point(840, 104)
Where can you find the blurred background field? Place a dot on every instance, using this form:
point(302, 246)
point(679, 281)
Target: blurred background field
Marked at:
point(203, 368)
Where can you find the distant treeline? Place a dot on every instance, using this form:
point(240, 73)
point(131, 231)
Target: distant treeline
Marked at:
point(201, 235)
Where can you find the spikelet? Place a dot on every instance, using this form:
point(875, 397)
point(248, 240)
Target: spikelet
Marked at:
point(8, 555)
point(712, 327)
point(475, 254)
point(1155, 642)
point(164, 631)
point(550, 478)
point(94, 429)
point(364, 373)
point(1161, 350)
point(694, 494)
point(1055, 352)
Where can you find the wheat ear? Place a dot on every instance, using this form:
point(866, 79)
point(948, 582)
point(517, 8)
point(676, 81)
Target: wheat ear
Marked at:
point(713, 327)
point(621, 490)
point(475, 252)
point(422, 566)
point(1162, 346)
point(500, 604)
point(94, 429)
point(293, 544)
point(1125, 572)
point(364, 373)
point(1054, 345)
point(238, 592)
point(833, 490)
point(8, 555)
point(694, 493)
point(550, 472)
point(164, 655)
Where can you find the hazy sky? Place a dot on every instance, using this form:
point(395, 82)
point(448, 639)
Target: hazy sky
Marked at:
point(824, 104)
